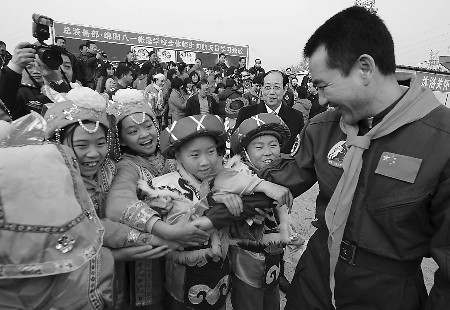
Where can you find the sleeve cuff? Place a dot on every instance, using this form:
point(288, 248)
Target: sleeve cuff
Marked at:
point(14, 67)
point(137, 215)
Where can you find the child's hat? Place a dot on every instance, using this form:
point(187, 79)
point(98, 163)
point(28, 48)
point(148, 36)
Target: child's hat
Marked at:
point(129, 101)
point(77, 106)
point(191, 127)
point(256, 126)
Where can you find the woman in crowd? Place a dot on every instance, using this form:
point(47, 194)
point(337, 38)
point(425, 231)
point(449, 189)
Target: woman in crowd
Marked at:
point(195, 77)
point(141, 160)
point(177, 100)
point(188, 89)
point(106, 71)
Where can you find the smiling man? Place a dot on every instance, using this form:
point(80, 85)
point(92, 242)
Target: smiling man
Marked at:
point(273, 90)
point(382, 162)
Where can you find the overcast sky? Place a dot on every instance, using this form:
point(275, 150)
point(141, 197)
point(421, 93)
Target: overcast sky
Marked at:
point(276, 31)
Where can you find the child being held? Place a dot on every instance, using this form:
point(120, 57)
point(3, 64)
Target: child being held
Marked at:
point(184, 195)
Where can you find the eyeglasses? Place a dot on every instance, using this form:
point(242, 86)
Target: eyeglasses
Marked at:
point(276, 88)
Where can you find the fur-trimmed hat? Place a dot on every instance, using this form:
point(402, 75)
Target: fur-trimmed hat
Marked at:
point(191, 127)
point(127, 102)
point(256, 126)
point(81, 104)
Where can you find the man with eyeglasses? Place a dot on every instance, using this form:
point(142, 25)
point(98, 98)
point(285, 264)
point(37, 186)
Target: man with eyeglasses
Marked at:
point(274, 88)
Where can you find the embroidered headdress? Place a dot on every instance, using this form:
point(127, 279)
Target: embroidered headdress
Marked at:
point(190, 127)
point(127, 102)
point(77, 106)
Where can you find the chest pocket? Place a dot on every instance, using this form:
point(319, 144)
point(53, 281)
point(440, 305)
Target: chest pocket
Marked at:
point(405, 216)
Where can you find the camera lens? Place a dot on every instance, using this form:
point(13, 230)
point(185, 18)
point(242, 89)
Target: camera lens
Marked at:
point(50, 57)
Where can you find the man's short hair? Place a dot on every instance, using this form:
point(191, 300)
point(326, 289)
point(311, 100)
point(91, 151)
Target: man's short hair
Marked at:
point(230, 82)
point(241, 58)
point(181, 66)
point(199, 59)
point(252, 71)
point(60, 38)
point(217, 68)
point(222, 54)
point(258, 79)
point(88, 43)
point(171, 73)
point(63, 51)
point(351, 33)
point(257, 59)
point(82, 46)
point(122, 70)
point(2, 43)
point(202, 82)
point(285, 77)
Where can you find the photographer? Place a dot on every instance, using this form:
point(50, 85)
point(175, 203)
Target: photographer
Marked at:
point(21, 81)
point(5, 56)
point(93, 58)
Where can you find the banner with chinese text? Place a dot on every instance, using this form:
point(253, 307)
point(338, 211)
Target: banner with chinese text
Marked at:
point(438, 83)
point(133, 38)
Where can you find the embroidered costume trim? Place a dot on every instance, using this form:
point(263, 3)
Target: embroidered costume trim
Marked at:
point(95, 296)
point(201, 292)
point(54, 267)
point(137, 215)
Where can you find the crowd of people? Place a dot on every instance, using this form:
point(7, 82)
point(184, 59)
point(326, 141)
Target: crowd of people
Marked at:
point(168, 186)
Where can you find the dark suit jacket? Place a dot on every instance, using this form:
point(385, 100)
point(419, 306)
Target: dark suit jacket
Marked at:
point(292, 118)
point(193, 106)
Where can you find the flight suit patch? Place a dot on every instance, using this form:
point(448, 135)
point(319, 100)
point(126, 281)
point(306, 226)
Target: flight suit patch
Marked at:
point(336, 154)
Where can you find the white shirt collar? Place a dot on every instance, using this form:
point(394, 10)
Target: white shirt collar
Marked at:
point(269, 110)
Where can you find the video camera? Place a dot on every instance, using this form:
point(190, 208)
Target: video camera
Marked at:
point(41, 31)
point(102, 53)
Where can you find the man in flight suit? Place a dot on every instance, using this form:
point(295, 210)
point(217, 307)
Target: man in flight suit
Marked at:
point(382, 162)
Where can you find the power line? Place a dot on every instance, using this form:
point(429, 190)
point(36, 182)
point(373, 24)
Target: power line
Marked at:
point(418, 34)
point(407, 47)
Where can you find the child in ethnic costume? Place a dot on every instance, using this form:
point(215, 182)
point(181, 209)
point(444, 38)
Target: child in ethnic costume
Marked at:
point(256, 253)
point(198, 278)
point(51, 254)
point(79, 121)
point(141, 160)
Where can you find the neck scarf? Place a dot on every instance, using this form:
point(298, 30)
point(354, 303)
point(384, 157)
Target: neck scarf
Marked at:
point(415, 104)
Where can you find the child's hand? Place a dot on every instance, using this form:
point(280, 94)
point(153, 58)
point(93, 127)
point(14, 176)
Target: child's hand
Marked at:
point(232, 201)
point(186, 234)
point(279, 193)
point(203, 223)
